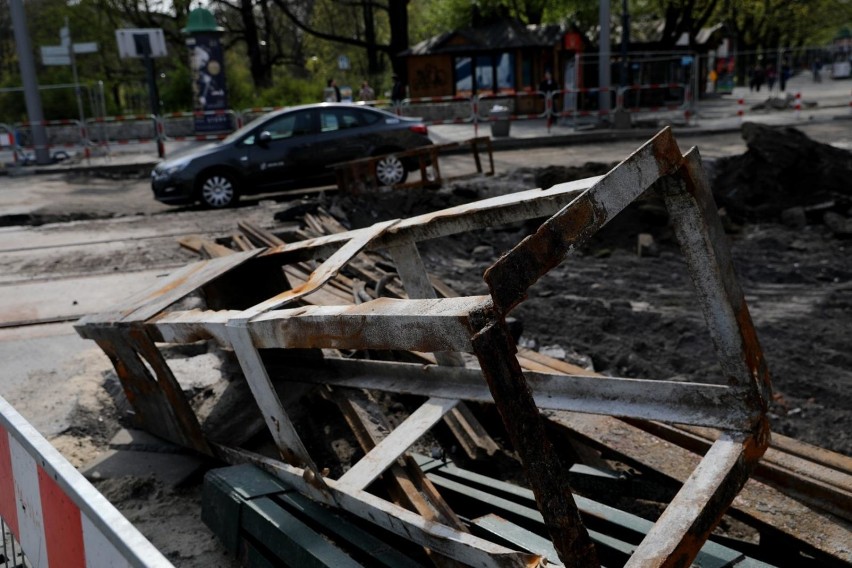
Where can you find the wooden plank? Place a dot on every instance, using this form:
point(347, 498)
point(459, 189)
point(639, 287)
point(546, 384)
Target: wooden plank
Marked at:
point(259, 235)
point(395, 444)
point(327, 270)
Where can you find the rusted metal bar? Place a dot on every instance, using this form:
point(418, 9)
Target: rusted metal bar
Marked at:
point(692, 212)
point(157, 399)
point(819, 535)
point(698, 507)
point(381, 324)
point(504, 209)
point(178, 285)
point(477, 324)
point(509, 278)
point(545, 473)
point(811, 483)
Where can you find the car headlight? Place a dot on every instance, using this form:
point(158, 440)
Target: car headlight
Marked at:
point(171, 168)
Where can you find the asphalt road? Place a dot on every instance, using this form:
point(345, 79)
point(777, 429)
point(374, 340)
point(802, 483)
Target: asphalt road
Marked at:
point(66, 196)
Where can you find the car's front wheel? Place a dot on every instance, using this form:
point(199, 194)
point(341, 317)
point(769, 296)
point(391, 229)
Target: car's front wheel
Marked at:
point(390, 170)
point(218, 190)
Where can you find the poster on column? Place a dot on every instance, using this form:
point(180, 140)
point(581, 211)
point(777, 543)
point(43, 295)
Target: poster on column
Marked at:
point(209, 93)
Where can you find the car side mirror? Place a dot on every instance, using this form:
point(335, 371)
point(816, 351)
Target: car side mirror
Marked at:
point(264, 138)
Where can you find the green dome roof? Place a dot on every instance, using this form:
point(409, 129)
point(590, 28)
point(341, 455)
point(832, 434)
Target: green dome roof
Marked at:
point(201, 20)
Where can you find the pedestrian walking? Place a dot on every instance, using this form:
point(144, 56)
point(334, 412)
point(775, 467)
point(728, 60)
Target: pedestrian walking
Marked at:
point(548, 86)
point(366, 93)
point(331, 94)
point(771, 76)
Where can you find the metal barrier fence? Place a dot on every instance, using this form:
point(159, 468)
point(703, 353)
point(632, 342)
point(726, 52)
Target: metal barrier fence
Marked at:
point(54, 515)
point(12, 556)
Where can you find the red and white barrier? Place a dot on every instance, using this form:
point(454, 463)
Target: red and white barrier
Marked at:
point(741, 109)
point(798, 106)
point(57, 516)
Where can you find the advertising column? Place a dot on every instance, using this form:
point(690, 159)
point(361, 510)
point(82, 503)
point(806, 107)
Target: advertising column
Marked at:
point(207, 68)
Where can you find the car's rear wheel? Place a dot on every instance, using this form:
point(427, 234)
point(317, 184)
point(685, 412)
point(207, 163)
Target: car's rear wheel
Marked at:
point(390, 170)
point(218, 190)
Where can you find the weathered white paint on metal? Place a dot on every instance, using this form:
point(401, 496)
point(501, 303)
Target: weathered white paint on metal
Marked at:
point(461, 546)
point(386, 323)
point(694, 499)
point(280, 426)
point(395, 444)
point(500, 210)
point(110, 539)
point(193, 325)
point(704, 243)
point(180, 284)
point(415, 279)
point(715, 406)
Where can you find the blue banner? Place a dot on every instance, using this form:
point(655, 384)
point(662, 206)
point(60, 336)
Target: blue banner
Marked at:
point(209, 93)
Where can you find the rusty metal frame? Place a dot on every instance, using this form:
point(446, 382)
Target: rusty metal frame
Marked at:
point(477, 325)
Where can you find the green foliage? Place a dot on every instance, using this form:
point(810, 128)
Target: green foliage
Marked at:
point(176, 90)
point(289, 91)
point(302, 62)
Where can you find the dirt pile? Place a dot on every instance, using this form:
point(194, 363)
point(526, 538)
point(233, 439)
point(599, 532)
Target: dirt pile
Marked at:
point(786, 176)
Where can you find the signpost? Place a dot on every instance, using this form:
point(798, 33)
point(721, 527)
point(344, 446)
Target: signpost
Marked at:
point(145, 43)
point(64, 54)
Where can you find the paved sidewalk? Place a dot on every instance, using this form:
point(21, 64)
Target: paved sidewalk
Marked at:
point(826, 100)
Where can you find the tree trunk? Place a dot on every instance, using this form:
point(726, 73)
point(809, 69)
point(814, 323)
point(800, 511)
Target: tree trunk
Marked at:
point(373, 63)
point(398, 16)
point(260, 73)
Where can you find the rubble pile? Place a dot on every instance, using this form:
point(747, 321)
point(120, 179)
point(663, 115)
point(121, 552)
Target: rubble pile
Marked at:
point(786, 176)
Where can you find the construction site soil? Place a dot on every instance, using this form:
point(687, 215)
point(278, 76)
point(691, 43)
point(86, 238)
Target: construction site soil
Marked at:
point(614, 306)
point(626, 314)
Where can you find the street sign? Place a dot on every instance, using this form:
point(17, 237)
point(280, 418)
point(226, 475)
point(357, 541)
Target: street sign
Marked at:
point(342, 62)
point(128, 46)
point(54, 51)
point(87, 47)
point(56, 60)
point(58, 54)
point(55, 55)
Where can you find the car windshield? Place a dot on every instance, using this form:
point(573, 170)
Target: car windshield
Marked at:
point(240, 132)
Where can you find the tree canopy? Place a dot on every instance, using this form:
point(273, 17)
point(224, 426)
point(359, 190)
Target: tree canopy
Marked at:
point(282, 51)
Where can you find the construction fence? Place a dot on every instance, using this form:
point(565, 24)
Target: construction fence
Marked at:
point(52, 516)
point(647, 88)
